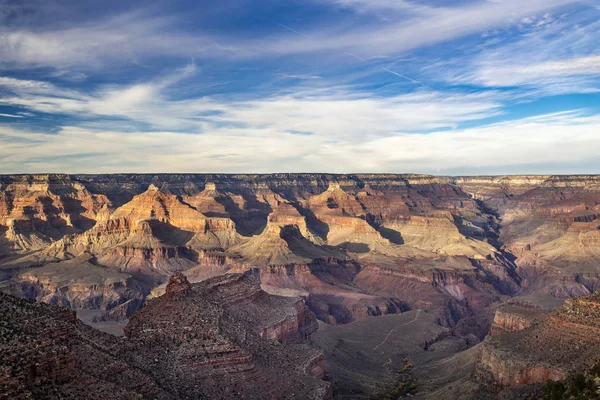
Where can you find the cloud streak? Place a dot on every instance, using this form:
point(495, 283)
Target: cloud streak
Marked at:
point(136, 36)
point(551, 54)
point(437, 26)
point(569, 139)
point(328, 113)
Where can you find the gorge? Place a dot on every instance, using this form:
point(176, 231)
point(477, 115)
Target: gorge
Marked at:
point(337, 279)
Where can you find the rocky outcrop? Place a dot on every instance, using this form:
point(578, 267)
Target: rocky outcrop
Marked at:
point(34, 347)
point(41, 208)
point(281, 244)
point(154, 233)
point(350, 246)
point(452, 288)
point(226, 338)
point(79, 284)
point(328, 288)
point(514, 317)
point(507, 372)
point(197, 341)
point(560, 343)
point(439, 234)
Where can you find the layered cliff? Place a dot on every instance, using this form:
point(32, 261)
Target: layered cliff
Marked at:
point(224, 338)
point(350, 246)
point(77, 284)
point(512, 318)
point(538, 348)
point(450, 244)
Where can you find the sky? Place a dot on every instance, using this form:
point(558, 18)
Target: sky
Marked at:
point(446, 87)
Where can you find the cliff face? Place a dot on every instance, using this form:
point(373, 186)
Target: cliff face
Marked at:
point(449, 244)
point(225, 334)
point(39, 209)
point(78, 284)
point(535, 347)
point(34, 346)
point(515, 317)
point(228, 337)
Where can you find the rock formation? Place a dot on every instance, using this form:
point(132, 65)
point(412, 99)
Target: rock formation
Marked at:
point(352, 245)
point(223, 338)
point(461, 249)
point(534, 348)
point(78, 284)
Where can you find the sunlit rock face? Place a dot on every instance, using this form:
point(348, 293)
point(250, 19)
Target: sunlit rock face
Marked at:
point(529, 346)
point(258, 257)
point(351, 245)
point(231, 336)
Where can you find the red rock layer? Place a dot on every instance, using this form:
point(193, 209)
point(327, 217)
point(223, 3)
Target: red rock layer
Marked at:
point(220, 339)
point(494, 236)
point(562, 342)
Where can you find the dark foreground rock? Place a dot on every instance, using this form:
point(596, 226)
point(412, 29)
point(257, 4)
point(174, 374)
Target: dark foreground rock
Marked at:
point(224, 338)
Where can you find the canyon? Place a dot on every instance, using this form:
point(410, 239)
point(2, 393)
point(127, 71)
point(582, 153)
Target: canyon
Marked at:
point(231, 336)
point(468, 269)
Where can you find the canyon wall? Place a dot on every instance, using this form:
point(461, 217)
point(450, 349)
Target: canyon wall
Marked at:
point(528, 347)
point(351, 245)
point(223, 338)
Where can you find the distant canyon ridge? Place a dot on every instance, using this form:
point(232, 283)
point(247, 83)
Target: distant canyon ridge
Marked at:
point(350, 245)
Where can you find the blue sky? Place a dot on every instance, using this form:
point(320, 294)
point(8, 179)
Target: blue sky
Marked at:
point(441, 86)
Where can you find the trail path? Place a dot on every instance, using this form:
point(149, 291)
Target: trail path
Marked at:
point(376, 348)
point(395, 329)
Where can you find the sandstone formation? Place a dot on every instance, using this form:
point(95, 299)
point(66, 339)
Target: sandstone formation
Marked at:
point(351, 245)
point(516, 315)
point(78, 284)
point(224, 338)
point(559, 343)
point(348, 247)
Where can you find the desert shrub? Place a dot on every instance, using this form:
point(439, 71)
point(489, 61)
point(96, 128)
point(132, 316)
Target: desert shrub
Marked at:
point(595, 370)
point(577, 386)
point(554, 390)
point(405, 386)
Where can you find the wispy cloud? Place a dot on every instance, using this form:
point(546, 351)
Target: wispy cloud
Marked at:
point(123, 39)
point(136, 36)
point(567, 141)
point(438, 26)
point(568, 72)
point(553, 54)
point(376, 6)
point(323, 85)
point(292, 76)
point(328, 112)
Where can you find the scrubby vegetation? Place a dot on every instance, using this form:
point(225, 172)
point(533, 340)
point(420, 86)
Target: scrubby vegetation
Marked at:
point(405, 386)
point(576, 387)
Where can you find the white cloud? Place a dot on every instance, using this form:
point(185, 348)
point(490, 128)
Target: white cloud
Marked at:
point(326, 111)
point(302, 77)
point(565, 139)
point(147, 126)
point(357, 116)
point(377, 6)
point(437, 26)
point(550, 72)
point(124, 39)
point(135, 37)
point(553, 56)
